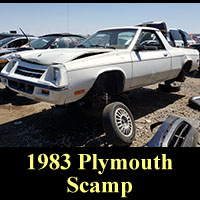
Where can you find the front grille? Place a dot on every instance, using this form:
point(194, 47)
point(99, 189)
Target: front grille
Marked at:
point(21, 86)
point(33, 73)
point(180, 135)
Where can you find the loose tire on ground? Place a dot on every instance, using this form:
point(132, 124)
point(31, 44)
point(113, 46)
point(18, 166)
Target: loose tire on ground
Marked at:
point(170, 86)
point(194, 102)
point(119, 124)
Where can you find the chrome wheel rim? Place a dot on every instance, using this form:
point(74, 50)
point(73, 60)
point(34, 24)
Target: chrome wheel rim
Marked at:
point(123, 122)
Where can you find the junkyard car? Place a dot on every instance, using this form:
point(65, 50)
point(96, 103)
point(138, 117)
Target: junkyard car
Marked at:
point(180, 38)
point(111, 62)
point(12, 42)
point(176, 37)
point(9, 44)
point(58, 40)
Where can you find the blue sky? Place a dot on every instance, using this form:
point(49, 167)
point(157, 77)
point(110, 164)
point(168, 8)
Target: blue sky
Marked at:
point(87, 18)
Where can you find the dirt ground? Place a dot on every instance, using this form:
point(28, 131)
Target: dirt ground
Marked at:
point(26, 123)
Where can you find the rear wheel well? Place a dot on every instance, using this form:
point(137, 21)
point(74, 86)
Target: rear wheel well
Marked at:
point(187, 66)
point(181, 76)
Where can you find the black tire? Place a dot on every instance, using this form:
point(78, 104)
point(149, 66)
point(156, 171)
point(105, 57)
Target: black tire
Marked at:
point(119, 124)
point(170, 87)
point(194, 102)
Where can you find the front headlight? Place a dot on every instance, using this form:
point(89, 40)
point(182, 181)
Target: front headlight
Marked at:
point(56, 73)
point(10, 65)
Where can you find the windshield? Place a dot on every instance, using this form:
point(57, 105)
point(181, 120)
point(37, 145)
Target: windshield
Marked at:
point(5, 41)
point(42, 43)
point(68, 42)
point(116, 39)
point(187, 36)
point(56, 42)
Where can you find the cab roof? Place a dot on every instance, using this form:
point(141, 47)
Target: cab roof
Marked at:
point(129, 27)
point(62, 35)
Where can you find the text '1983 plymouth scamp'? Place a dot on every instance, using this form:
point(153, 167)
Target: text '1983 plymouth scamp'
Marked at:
point(112, 61)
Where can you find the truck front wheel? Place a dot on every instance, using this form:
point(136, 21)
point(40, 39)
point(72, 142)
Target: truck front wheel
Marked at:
point(119, 124)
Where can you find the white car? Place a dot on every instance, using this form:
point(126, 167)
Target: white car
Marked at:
point(14, 42)
point(177, 38)
point(112, 61)
point(189, 40)
point(180, 38)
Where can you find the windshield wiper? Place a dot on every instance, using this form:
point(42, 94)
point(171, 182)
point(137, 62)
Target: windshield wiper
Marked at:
point(105, 47)
point(81, 46)
point(110, 47)
point(97, 46)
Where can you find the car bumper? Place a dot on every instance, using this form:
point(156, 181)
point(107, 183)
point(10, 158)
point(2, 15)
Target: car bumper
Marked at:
point(36, 91)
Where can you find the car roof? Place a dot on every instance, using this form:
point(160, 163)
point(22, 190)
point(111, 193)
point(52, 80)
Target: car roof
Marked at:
point(20, 38)
point(174, 29)
point(14, 35)
point(129, 27)
point(62, 35)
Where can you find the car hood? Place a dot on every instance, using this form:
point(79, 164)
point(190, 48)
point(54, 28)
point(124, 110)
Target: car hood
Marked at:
point(55, 56)
point(5, 51)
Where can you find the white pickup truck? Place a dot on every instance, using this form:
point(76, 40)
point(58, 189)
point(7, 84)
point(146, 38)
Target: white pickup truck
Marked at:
point(111, 61)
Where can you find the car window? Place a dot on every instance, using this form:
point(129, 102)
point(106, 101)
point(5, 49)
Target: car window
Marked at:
point(176, 35)
point(68, 42)
point(116, 38)
point(100, 40)
point(149, 38)
point(42, 43)
point(170, 39)
point(17, 43)
point(125, 38)
point(5, 41)
point(187, 36)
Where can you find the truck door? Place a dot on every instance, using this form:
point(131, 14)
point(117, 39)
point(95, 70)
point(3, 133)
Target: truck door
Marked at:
point(151, 61)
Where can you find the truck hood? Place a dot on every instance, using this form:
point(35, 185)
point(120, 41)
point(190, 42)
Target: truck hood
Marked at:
point(55, 56)
point(6, 51)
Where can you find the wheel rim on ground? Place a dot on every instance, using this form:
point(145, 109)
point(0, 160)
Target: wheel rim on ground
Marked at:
point(123, 122)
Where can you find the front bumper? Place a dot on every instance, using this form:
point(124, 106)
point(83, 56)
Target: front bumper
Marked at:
point(35, 90)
